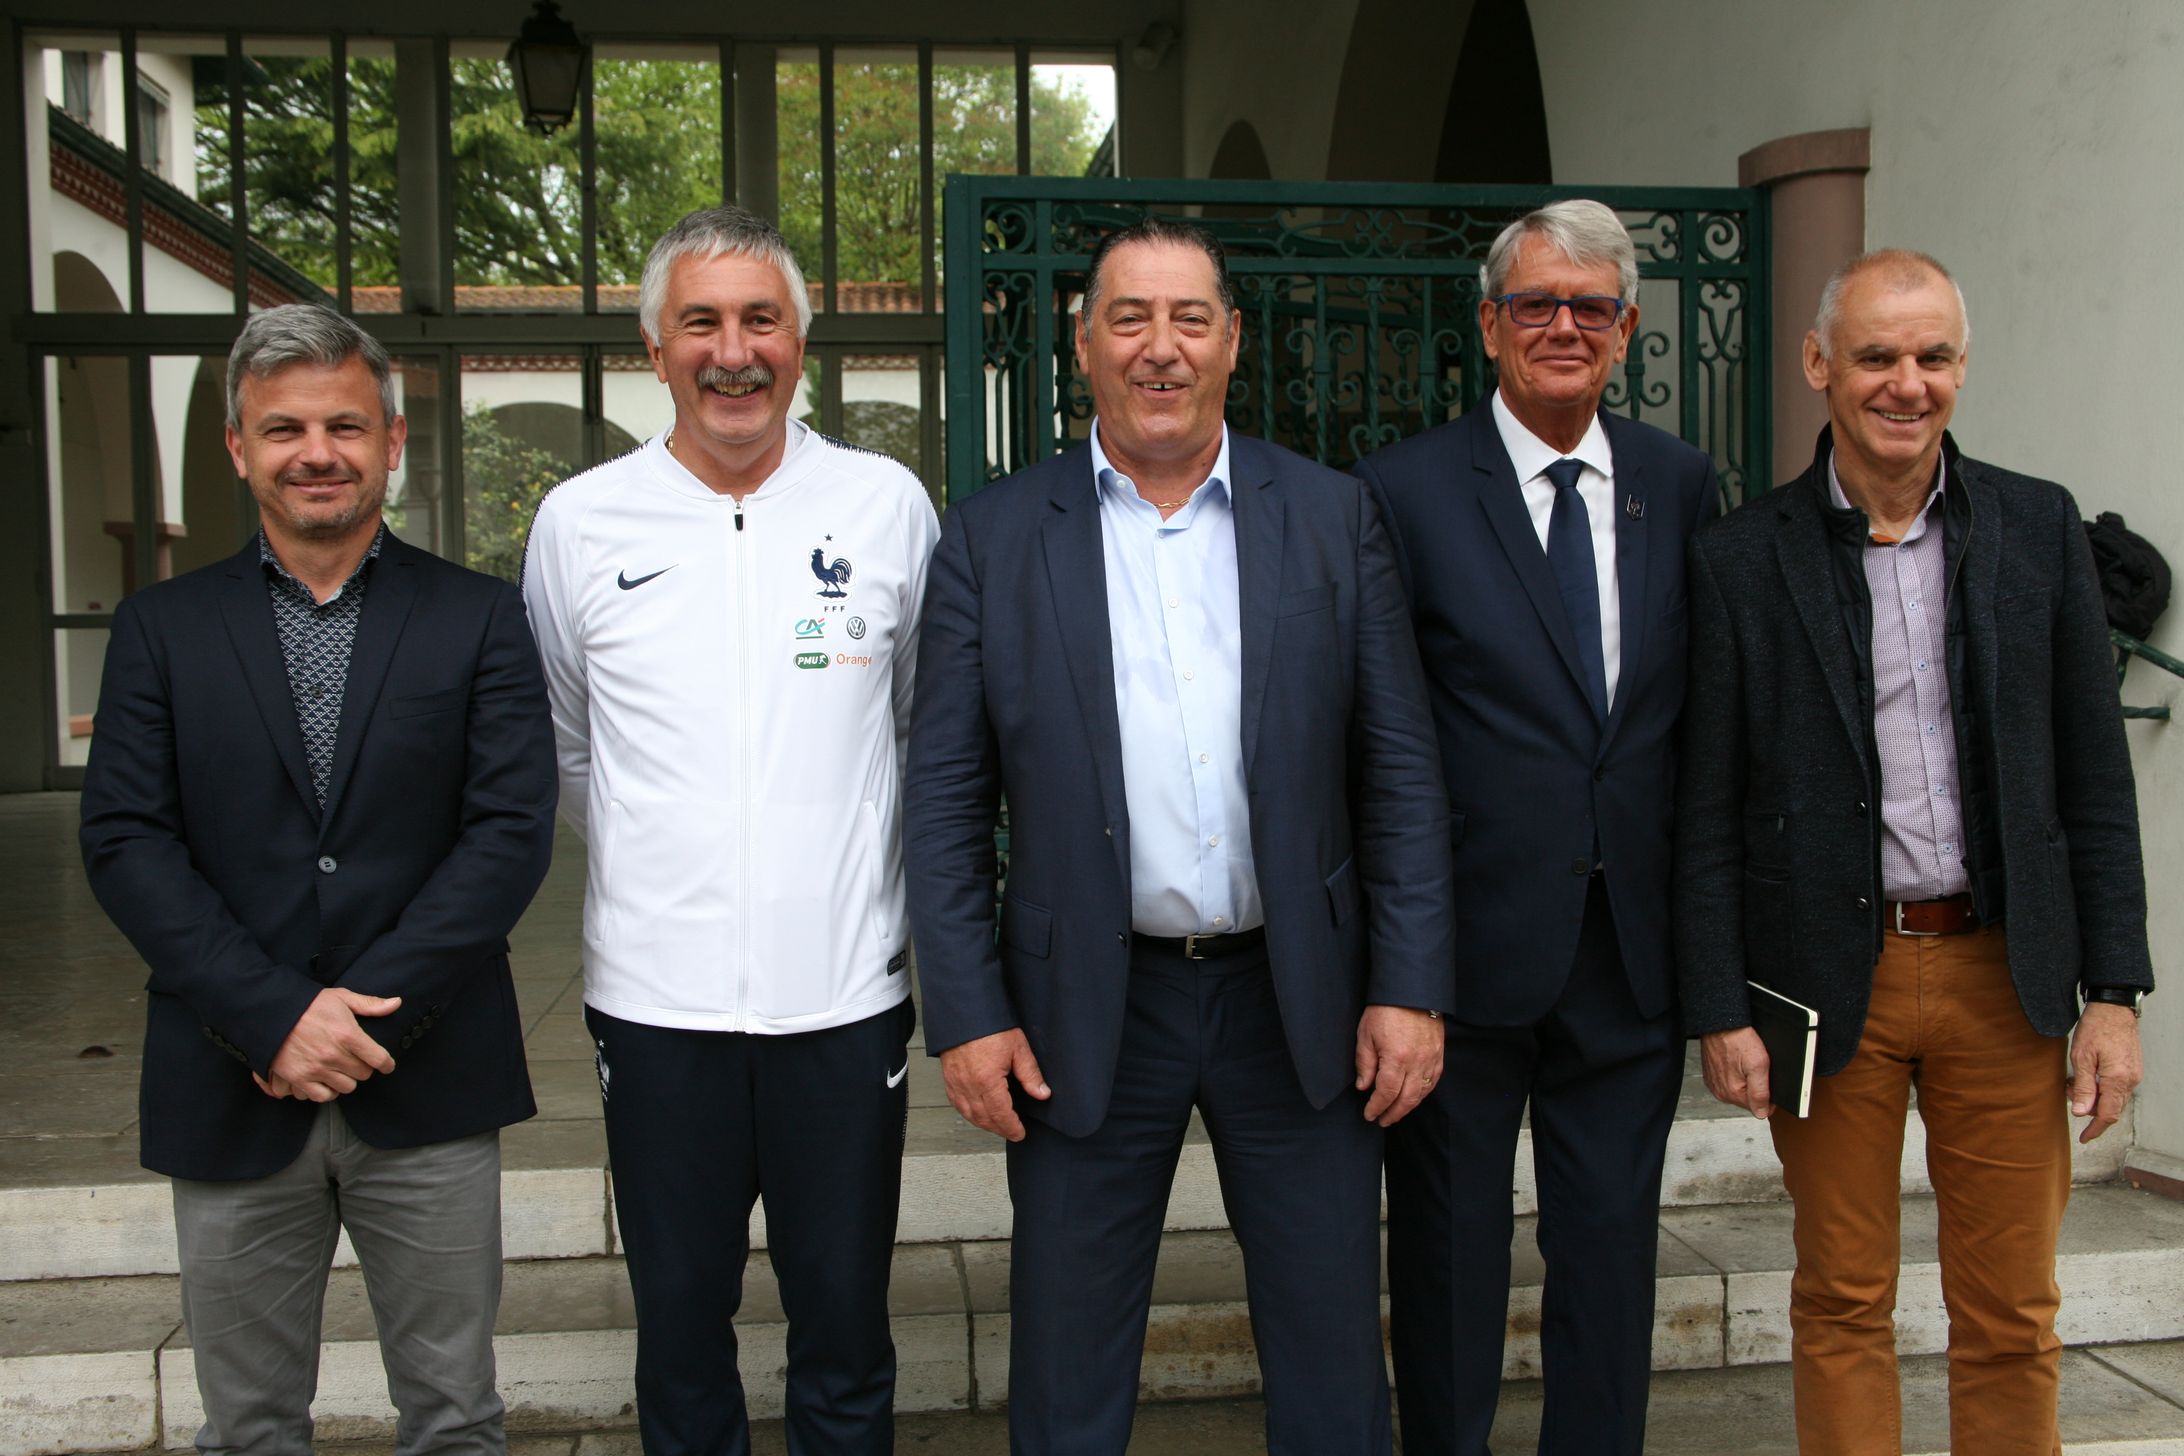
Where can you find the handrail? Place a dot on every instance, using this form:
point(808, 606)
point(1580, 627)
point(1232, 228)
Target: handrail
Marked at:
point(2128, 647)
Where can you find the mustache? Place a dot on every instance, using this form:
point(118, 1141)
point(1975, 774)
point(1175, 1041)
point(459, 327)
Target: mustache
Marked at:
point(754, 375)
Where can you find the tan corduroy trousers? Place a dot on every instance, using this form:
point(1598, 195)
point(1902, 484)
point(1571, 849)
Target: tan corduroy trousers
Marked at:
point(1991, 1091)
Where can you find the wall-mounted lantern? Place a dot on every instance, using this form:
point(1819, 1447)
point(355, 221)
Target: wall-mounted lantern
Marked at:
point(550, 61)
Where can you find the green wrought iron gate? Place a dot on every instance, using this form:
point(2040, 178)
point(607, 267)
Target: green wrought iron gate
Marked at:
point(1360, 305)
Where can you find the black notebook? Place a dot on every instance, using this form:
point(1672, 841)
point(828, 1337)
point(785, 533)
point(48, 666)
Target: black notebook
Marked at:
point(1791, 1032)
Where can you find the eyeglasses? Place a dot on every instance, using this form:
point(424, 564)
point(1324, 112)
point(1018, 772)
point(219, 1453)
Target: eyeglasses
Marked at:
point(1592, 311)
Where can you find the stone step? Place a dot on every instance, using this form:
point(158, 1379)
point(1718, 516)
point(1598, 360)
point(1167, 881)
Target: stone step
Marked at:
point(100, 1364)
point(81, 1208)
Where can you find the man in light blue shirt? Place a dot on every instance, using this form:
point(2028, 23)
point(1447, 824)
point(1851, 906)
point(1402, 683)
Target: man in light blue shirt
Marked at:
point(1183, 657)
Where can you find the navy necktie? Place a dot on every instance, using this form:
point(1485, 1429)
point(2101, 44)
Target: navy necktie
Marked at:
point(1570, 554)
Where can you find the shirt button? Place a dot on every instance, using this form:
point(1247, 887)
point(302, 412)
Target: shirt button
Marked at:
point(1175, 601)
point(328, 864)
point(1205, 758)
point(1188, 675)
point(1929, 727)
point(1922, 665)
point(1912, 605)
point(1213, 840)
point(1948, 849)
point(1219, 921)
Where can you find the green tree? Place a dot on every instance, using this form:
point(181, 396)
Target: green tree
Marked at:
point(504, 479)
point(518, 214)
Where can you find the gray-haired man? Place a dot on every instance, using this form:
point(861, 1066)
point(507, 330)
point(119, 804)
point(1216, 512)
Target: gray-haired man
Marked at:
point(1542, 541)
point(728, 618)
point(321, 791)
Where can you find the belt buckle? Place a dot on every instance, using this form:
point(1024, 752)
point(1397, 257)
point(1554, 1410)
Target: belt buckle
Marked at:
point(1190, 946)
point(1901, 930)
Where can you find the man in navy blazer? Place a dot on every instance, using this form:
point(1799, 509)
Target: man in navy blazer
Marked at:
point(320, 792)
point(1542, 545)
point(1182, 657)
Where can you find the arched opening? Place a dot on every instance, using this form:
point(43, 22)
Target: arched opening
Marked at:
point(512, 455)
point(1494, 128)
point(1240, 155)
point(217, 511)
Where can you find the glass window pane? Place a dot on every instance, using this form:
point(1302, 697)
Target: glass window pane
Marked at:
point(523, 434)
point(79, 656)
point(205, 511)
point(375, 208)
point(1072, 115)
point(657, 120)
point(288, 170)
point(637, 405)
point(881, 406)
point(88, 481)
point(414, 490)
point(878, 250)
point(518, 204)
point(974, 122)
point(796, 103)
point(78, 207)
point(182, 130)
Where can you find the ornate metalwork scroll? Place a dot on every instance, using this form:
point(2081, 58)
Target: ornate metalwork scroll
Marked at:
point(1360, 304)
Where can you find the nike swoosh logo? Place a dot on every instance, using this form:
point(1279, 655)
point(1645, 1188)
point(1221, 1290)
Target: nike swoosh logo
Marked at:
point(894, 1079)
point(626, 582)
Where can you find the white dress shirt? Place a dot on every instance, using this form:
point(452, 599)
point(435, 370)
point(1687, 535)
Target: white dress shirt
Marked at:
point(1174, 619)
point(1596, 486)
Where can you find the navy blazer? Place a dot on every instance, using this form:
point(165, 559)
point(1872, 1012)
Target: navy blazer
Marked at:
point(1532, 776)
point(203, 840)
point(1016, 698)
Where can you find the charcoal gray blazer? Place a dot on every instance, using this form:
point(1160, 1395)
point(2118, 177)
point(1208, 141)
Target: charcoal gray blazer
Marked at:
point(1776, 876)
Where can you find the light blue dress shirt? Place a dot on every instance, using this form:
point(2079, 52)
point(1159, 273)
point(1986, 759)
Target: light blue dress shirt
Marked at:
point(1174, 619)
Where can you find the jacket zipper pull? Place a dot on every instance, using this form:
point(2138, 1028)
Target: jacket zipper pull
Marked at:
point(739, 513)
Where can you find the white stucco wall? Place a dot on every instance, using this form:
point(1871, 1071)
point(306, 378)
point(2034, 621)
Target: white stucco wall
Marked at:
point(2032, 147)
point(1279, 71)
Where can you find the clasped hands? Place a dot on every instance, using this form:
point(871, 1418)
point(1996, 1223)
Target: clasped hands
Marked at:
point(2104, 1067)
point(328, 1052)
point(1398, 1056)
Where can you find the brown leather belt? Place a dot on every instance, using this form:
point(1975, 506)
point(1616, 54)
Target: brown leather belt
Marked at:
point(1952, 916)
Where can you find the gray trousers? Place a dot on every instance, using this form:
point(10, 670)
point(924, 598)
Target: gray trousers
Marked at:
point(254, 1255)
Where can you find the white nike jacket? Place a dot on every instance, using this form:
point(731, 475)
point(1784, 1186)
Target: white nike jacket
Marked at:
point(731, 698)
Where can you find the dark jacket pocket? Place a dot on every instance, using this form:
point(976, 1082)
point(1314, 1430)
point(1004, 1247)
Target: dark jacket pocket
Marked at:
point(1027, 927)
point(1311, 599)
point(1342, 891)
point(419, 704)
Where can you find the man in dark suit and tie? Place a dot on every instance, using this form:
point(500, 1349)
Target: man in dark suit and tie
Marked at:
point(1542, 544)
point(320, 792)
point(1181, 655)
point(1908, 804)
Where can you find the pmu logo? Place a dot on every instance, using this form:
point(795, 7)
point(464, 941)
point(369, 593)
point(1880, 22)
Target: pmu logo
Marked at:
point(811, 627)
point(811, 659)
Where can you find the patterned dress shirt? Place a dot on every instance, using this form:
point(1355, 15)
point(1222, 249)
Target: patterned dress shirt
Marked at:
point(316, 640)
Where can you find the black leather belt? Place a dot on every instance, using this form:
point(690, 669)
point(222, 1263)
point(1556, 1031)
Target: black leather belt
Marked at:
point(1204, 947)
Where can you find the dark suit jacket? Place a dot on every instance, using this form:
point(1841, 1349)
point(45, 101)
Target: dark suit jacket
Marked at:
point(1016, 696)
point(1777, 877)
point(1532, 776)
point(203, 840)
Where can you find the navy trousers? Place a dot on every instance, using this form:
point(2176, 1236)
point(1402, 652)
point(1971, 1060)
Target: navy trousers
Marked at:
point(1302, 1189)
point(700, 1125)
point(1602, 1082)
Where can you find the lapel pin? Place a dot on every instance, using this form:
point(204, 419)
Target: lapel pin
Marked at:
point(1634, 508)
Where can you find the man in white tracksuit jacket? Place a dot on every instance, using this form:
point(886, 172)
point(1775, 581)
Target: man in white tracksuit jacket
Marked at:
point(728, 617)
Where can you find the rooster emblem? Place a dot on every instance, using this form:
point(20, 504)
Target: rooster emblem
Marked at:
point(833, 579)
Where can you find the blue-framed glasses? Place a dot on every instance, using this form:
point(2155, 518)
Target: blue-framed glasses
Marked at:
point(1594, 311)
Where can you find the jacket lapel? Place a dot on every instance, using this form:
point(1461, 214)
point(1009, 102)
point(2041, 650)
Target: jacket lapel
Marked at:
point(1261, 520)
point(391, 588)
point(1077, 575)
point(1801, 547)
point(248, 615)
point(1503, 501)
point(1633, 537)
point(1982, 559)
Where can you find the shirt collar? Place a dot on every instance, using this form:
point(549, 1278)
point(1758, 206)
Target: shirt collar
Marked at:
point(1918, 527)
point(1113, 483)
point(283, 577)
point(1531, 455)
